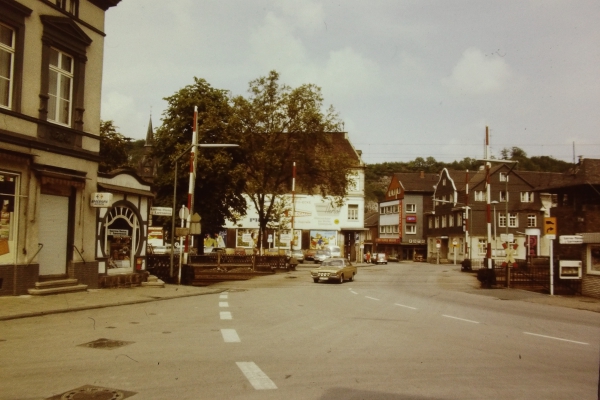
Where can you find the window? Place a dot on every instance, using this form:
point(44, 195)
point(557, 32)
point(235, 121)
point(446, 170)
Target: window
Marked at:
point(443, 221)
point(411, 229)
point(430, 222)
point(527, 197)
point(444, 182)
point(451, 220)
point(479, 195)
point(411, 208)
point(9, 213)
point(503, 196)
point(7, 56)
point(482, 247)
point(502, 220)
point(437, 221)
point(459, 219)
point(60, 88)
point(70, 6)
point(531, 220)
point(503, 177)
point(593, 262)
point(513, 221)
point(353, 212)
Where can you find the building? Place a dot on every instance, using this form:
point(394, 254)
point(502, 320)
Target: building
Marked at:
point(401, 216)
point(49, 141)
point(316, 221)
point(457, 226)
point(576, 207)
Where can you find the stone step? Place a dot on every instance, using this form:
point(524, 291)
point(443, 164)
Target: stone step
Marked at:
point(57, 290)
point(55, 283)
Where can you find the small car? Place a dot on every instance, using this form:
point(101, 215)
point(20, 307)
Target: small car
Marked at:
point(379, 258)
point(335, 269)
point(298, 255)
point(321, 255)
point(309, 255)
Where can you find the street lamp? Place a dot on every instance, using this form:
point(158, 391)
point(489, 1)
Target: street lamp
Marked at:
point(494, 202)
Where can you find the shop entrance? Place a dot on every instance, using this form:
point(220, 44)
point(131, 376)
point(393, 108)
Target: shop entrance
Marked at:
point(122, 238)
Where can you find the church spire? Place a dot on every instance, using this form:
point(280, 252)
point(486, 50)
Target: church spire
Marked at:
point(149, 134)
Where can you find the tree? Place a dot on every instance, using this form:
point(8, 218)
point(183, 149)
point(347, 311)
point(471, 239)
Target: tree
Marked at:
point(277, 125)
point(113, 148)
point(219, 178)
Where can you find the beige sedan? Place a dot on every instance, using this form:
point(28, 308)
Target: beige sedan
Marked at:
point(334, 269)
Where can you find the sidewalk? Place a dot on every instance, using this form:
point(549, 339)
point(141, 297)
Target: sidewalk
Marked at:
point(13, 307)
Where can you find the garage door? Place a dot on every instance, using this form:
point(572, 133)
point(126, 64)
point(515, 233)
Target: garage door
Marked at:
point(54, 216)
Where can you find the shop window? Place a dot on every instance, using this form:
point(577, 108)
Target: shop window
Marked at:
point(593, 261)
point(8, 217)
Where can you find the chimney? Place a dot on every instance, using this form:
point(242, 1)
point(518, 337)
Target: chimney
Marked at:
point(422, 176)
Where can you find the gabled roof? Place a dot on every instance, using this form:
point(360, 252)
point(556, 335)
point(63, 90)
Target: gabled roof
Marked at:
point(342, 144)
point(417, 182)
point(586, 172)
point(371, 218)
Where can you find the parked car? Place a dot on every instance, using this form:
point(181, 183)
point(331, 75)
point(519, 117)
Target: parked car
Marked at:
point(379, 258)
point(298, 255)
point(335, 269)
point(309, 255)
point(322, 255)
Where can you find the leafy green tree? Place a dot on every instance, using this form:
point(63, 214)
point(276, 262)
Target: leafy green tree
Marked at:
point(113, 148)
point(219, 174)
point(277, 125)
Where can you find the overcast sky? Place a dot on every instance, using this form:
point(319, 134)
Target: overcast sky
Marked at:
point(408, 78)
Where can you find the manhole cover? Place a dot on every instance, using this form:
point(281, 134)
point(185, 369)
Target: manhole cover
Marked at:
point(103, 343)
point(89, 392)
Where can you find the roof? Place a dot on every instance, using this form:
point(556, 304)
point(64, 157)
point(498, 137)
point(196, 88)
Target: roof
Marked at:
point(341, 143)
point(586, 172)
point(371, 218)
point(417, 181)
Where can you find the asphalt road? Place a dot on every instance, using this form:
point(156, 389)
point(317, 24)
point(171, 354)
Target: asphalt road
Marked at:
point(401, 331)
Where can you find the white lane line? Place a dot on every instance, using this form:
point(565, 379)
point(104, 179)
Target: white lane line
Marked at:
point(402, 305)
point(230, 336)
point(372, 298)
point(223, 296)
point(223, 304)
point(353, 292)
point(226, 315)
point(460, 319)
point(555, 338)
point(257, 378)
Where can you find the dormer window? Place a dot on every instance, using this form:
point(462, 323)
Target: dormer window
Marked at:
point(503, 177)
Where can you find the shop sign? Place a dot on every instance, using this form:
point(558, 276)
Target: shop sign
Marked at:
point(411, 219)
point(387, 240)
point(101, 199)
point(118, 232)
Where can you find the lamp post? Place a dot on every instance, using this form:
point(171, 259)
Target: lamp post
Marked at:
point(494, 202)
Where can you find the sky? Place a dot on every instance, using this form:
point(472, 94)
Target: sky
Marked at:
point(409, 78)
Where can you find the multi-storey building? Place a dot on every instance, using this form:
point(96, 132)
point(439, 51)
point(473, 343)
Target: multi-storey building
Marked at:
point(317, 222)
point(459, 227)
point(51, 55)
point(401, 215)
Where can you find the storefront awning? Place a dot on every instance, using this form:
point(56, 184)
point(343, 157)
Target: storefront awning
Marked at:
point(50, 175)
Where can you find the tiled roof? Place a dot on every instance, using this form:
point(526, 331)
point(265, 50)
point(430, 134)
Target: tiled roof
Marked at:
point(586, 172)
point(342, 144)
point(417, 181)
point(371, 218)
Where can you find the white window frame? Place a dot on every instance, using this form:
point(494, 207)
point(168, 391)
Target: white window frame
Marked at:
point(444, 218)
point(410, 229)
point(503, 177)
point(450, 220)
point(593, 263)
point(353, 212)
point(479, 195)
point(513, 220)
point(55, 100)
point(531, 220)
point(411, 208)
point(526, 197)
point(437, 221)
point(482, 247)
point(502, 220)
point(9, 49)
point(503, 196)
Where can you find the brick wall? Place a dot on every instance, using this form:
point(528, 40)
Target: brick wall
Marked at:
point(85, 273)
point(26, 278)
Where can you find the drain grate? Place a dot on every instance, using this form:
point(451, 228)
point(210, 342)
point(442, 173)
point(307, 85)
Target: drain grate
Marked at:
point(107, 344)
point(90, 392)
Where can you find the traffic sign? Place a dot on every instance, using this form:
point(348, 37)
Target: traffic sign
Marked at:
point(163, 211)
point(550, 227)
point(570, 239)
point(184, 212)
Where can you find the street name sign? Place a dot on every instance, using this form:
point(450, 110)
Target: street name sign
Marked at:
point(162, 211)
point(570, 239)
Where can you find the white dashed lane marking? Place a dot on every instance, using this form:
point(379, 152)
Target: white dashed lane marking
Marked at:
point(230, 336)
point(223, 296)
point(223, 304)
point(555, 338)
point(226, 315)
point(460, 319)
point(258, 379)
point(402, 305)
point(372, 298)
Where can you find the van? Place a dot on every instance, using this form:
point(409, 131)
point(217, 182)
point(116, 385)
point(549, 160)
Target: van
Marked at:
point(335, 251)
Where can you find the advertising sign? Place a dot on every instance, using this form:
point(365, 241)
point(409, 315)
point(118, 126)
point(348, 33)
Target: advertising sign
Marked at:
point(101, 200)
